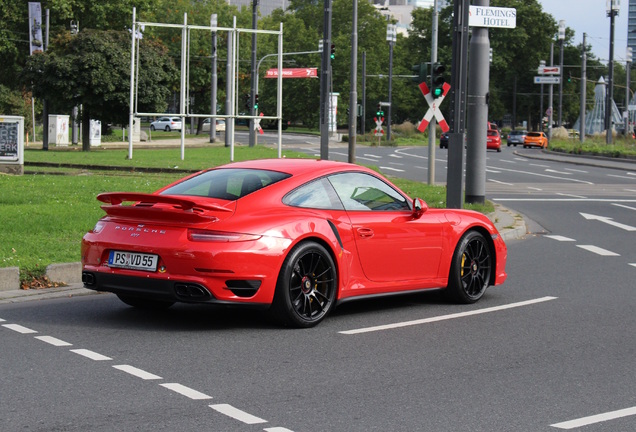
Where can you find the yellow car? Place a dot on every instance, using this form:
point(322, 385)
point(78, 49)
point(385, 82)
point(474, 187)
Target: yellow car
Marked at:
point(538, 139)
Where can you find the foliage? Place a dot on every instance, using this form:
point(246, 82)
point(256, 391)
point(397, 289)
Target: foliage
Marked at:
point(621, 148)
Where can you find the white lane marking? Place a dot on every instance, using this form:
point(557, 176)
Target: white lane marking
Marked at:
point(53, 341)
point(545, 175)
point(629, 190)
point(535, 188)
point(500, 182)
point(540, 165)
point(619, 176)
point(597, 250)
point(492, 171)
point(18, 328)
point(559, 238)
point(584, 421)
point(1, 320)
point(571, 195)
point(575, 170)
point(366, 158)
point(91, 354)
point(139, 373)
point(521, 159)
point(446, 317)
point(566, 200)
point(633, 264)
point(237, 414)
point(624, 206)
point(340, 153)
point(557, 172)
point(373, 156)
point(277, 429)
point(391, 169)
point(395, 156)
point(508, 161)
point(185, 391)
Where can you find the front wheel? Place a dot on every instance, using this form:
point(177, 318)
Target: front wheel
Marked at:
point(152, 128)
point(470, 269)
point(306, 287)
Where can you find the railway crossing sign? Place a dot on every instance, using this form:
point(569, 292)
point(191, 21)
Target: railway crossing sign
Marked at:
point(257, 125)
point(433, 109)
point(378, 126)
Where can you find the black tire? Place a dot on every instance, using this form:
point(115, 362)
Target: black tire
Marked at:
point(470, 270)
point(499, 150)
point(142, 303)
point(167, 128)
point(306, 287)
point(152, 128)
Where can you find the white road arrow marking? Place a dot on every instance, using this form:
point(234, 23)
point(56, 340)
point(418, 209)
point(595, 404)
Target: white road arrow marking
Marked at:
point(608, 221)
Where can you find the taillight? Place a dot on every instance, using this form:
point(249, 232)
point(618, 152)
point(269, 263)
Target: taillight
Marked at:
point(219, 236)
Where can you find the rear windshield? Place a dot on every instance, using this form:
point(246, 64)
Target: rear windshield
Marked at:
point(534, 134)
point(492, 133)
point(518, 132)
point(226, 183)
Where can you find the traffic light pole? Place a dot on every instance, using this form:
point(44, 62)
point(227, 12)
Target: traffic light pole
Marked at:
point(252, 110)
point(431, 126)
point(353, 95)
point(455, 171)
point(325, 73)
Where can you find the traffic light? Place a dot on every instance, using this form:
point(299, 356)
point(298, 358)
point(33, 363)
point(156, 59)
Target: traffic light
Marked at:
point(256, 102)
point(438, 80)
point(379, 112)
point(420, 72)
point(333, 51)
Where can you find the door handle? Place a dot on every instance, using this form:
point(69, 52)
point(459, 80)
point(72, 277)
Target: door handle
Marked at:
point(365, 232)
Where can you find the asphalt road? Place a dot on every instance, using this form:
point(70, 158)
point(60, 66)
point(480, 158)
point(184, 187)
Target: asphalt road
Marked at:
point(551, 349)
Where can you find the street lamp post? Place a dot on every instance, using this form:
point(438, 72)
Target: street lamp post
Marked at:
point(628, 64)
point(561, 40)
point(391, 38)
point(613, 7)
point(541, 114)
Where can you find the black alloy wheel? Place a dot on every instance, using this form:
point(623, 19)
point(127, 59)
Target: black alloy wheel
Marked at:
point(471, 269)
point(306, 287)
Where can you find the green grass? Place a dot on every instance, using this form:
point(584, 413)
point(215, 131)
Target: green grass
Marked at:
point(620, 148)
point(45, 214)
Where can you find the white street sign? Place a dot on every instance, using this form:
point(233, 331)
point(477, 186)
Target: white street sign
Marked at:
point(547, 80)
point(549, 70)
point(485, 16)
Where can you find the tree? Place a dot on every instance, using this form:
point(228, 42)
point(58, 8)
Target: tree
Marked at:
point(92, 69)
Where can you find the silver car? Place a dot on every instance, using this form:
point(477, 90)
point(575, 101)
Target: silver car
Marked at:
point(516, 137)
point(166, 124)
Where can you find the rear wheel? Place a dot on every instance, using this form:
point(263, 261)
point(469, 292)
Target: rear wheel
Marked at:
point(152, 127)
point(306, 287)
point(167, 128)
point(470, 269)
point(143, 303)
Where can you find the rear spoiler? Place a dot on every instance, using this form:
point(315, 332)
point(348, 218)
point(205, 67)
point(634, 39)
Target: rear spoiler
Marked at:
point(189, 210)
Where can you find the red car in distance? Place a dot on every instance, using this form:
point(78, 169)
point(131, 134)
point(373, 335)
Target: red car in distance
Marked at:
point(296, 236)
point(493, 140)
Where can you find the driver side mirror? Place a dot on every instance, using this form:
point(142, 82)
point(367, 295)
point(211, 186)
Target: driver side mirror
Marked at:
point(419, 208)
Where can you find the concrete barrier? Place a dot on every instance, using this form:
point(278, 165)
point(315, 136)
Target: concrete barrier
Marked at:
point(9, 278)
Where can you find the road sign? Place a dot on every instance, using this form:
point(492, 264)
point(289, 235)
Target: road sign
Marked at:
point(293, 73)
point(433, 109)
point(547, 80)
point(549, 70)
point(378, 126)
point(257, 124)
point(485, 16)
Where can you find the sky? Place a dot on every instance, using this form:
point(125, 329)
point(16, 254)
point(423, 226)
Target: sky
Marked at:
point(590, 17)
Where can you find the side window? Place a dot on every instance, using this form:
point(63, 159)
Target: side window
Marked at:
point(364, 192)
point(318, 194)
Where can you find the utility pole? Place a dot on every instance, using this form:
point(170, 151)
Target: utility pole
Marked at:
point(325, 74)
point(252, 132)
point(550, 95)
point(353, 95)
point(628, 66)
point(583, 90)
point(390, 37)
point(431, 126)
point(45, 105)
point(213, 23)
point(561, 41)
point(477, 113)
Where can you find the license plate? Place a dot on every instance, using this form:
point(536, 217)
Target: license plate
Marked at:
point(133, 260)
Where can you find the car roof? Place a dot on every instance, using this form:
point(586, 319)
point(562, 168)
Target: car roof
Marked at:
point(295, 167)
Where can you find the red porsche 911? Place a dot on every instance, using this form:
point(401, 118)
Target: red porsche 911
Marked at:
point(297, 236)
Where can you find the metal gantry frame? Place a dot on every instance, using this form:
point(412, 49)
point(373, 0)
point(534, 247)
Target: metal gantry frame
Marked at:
point(184, 105)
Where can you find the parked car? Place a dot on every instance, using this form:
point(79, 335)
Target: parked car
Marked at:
point(516, 137)
point(536, 139)
point(443, 140)
point(166, 124)
point(296, 236)
point(493, 140)
point(220, 125)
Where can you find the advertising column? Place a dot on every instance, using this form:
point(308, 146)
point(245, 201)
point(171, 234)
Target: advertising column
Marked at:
point(11, 145)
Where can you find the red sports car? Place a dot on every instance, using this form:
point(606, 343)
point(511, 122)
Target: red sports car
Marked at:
point(297, 236)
